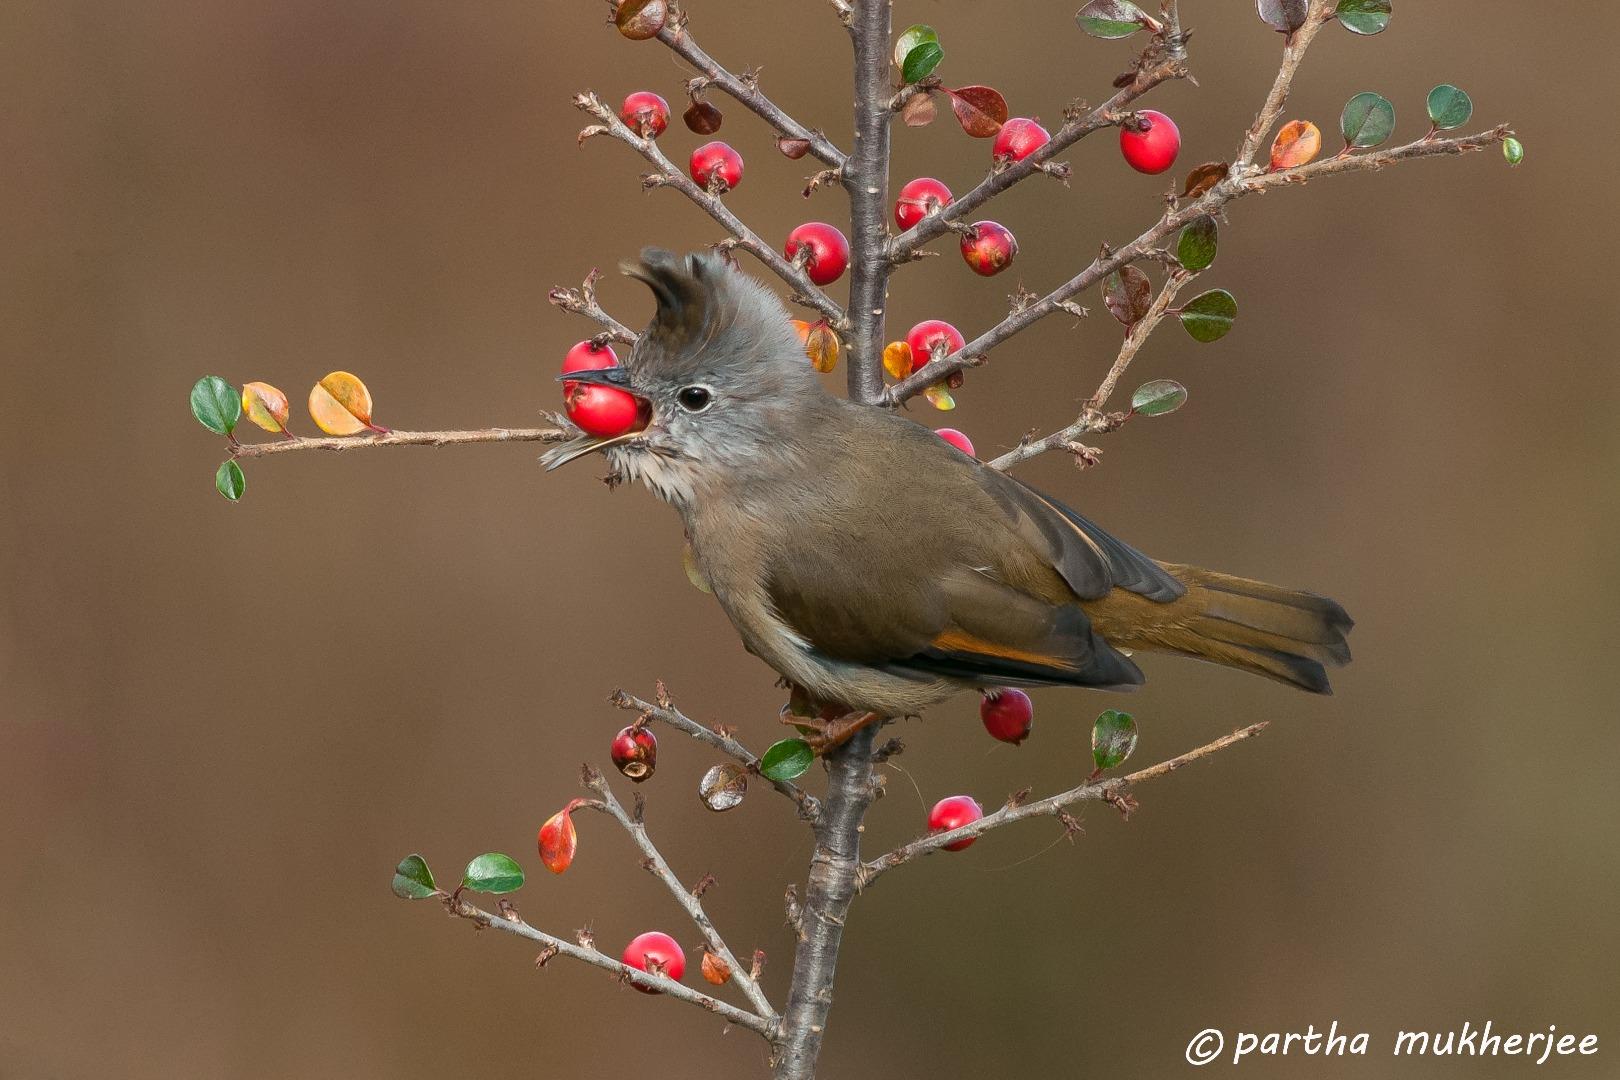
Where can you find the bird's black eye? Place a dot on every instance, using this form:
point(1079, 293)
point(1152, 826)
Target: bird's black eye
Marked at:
point(694, 398)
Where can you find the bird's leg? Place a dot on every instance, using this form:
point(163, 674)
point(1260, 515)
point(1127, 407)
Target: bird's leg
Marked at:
point(828, 733)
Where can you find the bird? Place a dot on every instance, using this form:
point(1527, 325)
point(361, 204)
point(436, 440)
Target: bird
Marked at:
point(879, 569)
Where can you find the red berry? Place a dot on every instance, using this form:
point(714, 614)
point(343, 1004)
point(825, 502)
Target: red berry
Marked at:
point(635, 753)
point(645, 113)
point(988, 248)
point(1154, 148)
point(928, 333)
point(918, 199)
point(953, 813)
point(603, 411)
point(716, 167)
point(956, 439)
point(654, 952)
point(1008, 714)
point(828, 251)
point(1019, 138)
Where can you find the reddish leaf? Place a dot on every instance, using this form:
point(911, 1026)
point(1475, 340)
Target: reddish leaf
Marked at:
point(792, 149)
point(1203, 178)
point(715, 970)
point(1128, 294)
point(558, 840)
point(703, 118)
point(918, 111)
point(979, 109)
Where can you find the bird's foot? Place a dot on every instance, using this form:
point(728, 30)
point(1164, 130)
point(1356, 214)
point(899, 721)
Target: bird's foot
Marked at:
point(825, 733)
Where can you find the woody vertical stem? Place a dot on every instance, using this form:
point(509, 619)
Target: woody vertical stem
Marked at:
point(833, 870)
point(866, 178)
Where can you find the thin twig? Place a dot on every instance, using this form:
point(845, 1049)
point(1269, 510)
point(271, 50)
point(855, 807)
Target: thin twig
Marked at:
point(582, 301)
point(809, 805)
point(1051, 806)
point(1092, 418)
point(679, 991)
point(667, 175)
point(907, 245)
point(1212, 202)
point(1319, 13)
point(400, 438)
point(659, 866)
point(747, 92)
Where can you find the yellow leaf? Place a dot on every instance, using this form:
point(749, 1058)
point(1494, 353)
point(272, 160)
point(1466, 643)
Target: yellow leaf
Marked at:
point(897, 359)
point(340, 404)
point(821, 346)
point(694, 573)
point(1297, 143)
point(940, 398)
point(265, 406)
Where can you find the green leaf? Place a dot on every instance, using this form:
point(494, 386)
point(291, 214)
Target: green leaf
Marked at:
point(229, 481)
point(1113, 737)
point(1284, 16)
point(1512, 150)
point(1368, 119)
point(1364, 17)
point(1158, 397)
point(413, 880)
point(910, 38)
point(1109, 19)
point(216, 404)
point(1208, 316)
point(921, 61)
point(493, 873)
point(1195, 250)
point(1449, 107)
point(786, 760)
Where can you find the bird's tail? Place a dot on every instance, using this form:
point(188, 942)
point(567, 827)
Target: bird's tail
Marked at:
point(1283, 634)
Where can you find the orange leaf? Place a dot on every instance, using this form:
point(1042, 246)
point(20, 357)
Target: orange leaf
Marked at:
point(715, 970)
point(821, 345)
point(897, 359)
point(801, 328)
point(265, 406)
point(558, 840)
point(340, 404)
point(1297, 143)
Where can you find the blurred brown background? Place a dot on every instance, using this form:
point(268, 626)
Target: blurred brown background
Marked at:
point(221, 726)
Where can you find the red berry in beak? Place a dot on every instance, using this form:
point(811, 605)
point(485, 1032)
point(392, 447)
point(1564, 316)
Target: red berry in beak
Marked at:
point(656, 954)
point(1152, 146)
point(716, 167)
point(826, 251)
point(918, 199)
point(953, 813)
point(1008, 714)
point(645, 113)
point(602, 411)
point(988, 248)
point(1019, 138)
point(635, 753)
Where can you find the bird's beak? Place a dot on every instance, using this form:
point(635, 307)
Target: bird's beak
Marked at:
point(619, 379)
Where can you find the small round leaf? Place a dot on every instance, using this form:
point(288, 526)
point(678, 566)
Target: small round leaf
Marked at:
point(493, 873)
point(921, 62)
point(786, 760)
point(1297, 143)
point(910, 38)
point(229, 481)
point(1512, 150)
point(1113, 737)
point(723, 787)
point(1158, 397)
point(413, 880)
point(1195, 250)
point(1127, 293)
point(1449, 107)
point(1109, 19)
point(1208, 316)
point(1284, 16)
point(1363, 16)
point(1368, 119)
point(216, 404)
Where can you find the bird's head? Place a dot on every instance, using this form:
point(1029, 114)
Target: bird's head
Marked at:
point(719, 369)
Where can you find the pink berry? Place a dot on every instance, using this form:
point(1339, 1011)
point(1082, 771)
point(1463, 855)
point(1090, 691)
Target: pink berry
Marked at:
point(918, 199)
point(1019, 138)
point(953, 813)
point(988, 248)
point(957, 439)
point(645, 113)
point(926, 335)
point(828, 251)
point(1008, 714)
point(654, 951)
point(716, 167)
point(1153, 148)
